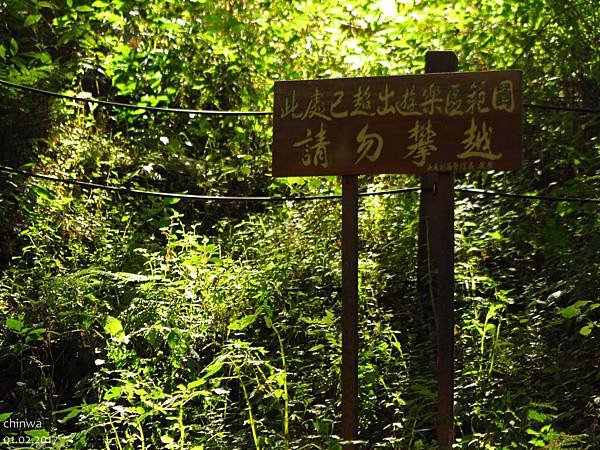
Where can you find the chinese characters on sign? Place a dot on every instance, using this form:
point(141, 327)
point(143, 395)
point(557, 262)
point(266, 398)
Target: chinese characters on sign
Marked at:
point(415, 123)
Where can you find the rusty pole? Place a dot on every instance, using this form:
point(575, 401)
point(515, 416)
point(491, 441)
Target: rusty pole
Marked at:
point(440, 230)
point(349, 309)
point(444, 205)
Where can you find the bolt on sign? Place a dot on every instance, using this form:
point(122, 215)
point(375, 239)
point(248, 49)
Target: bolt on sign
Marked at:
point(459, 121)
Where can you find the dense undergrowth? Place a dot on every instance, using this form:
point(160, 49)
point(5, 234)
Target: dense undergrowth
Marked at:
point(142, 322)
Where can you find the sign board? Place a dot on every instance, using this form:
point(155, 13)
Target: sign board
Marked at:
point(459, 121)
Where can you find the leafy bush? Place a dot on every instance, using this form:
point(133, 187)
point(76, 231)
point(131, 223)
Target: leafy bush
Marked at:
point(148, 322)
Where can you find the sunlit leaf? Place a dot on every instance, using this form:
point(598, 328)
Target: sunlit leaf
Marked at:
point(536, 415)
point(37, 433)
point(170, 200)
point(196, 383)
point(14, 47)
point(166, 439)
point(44, 4)
point(573, 310)
point(114, 328)
point(242, 323)
point(32, 19)
point(213, 368)
point(14, 324)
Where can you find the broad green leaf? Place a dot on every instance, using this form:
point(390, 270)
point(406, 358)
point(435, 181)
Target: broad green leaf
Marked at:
point(268, 321)
point(152, 336)
point(99, 4)
point(71, 413)
point(114, 328)
point(14, 324)
point(196, 383)
point(495, 235)
point(536, 415)
point(5, 416)
point(43, 57)
point(213, 368)
point(114, 392)
point(170, 200)
point(173, 338)
point(573, 310)
point(14, 46)
point(570, 311)
point(586, 330)
point(139, 409)
point(84, 8)
point(35, 334)
point(277, 393)
point(43, 193)
point(166, 439)
point(32, 19)
point(49, 5)
point(37, 433)
point(242, 323)
point(36, 331)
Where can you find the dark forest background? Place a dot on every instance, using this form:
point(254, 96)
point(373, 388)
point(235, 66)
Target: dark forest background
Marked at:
point(132, 322)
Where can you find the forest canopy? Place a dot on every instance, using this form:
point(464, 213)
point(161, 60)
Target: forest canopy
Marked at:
point(145, 321)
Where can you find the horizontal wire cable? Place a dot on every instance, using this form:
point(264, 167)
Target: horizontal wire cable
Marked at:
point(390, 191)
point(122, 190)
point(562, 108)
point(141, 192)
point(131, 106)
point(526, 196)
point(231, 113)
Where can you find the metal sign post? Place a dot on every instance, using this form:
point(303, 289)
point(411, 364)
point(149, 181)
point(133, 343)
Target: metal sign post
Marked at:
point(434, 124)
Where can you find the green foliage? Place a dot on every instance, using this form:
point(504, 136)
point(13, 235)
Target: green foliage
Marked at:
point(156, 323)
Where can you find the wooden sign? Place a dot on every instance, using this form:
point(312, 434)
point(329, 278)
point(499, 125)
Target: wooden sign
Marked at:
point(461, 121)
